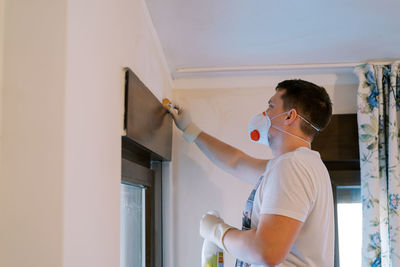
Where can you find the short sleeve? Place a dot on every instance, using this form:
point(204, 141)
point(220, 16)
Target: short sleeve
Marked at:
point(288, 191)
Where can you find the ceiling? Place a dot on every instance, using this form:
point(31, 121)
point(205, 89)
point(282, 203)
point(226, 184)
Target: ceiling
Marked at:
point(232, 33)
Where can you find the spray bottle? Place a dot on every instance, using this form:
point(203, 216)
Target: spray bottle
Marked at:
point(211, 254)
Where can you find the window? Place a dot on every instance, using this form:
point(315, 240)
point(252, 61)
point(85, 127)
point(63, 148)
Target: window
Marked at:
point(349, 220)
point(141, 225)
point(348, 216)
point(133, 225)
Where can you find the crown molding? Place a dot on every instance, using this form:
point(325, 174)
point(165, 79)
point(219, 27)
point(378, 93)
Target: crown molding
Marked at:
point(309, 68)
point(257, 79)
point(268, 75)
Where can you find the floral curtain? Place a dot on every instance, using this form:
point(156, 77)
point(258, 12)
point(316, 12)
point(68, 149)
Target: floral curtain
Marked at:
point(378, 115)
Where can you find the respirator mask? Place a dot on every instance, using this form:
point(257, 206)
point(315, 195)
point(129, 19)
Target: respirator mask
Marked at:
point(260, 124)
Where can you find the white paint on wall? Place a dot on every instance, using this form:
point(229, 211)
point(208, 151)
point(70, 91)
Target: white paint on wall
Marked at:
point(32, 173)
point(103, 38)
point(199, 185)
point(2, 26)
point(61, 142)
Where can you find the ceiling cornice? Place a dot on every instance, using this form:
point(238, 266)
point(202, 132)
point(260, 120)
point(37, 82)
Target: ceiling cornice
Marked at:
point(268, 75)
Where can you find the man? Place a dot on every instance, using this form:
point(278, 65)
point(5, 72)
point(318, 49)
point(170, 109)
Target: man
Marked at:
point(288, 218)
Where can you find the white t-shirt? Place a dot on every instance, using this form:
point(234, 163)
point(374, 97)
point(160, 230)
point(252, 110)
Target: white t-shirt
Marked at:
point(297, 185)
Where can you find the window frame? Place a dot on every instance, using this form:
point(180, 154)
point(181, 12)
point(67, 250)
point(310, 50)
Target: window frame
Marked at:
point(342, 174)
point(147, 173)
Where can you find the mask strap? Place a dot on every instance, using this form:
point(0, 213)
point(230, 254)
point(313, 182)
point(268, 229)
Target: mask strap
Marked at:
point(317, 129)
point(304, 140)
point(277, 115)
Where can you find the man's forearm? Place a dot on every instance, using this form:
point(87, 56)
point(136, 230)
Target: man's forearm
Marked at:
point(269, 244)
point(231, 159)
point(223, 155)
point(245, 246)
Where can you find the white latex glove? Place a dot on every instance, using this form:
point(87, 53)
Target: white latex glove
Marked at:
point(214, 229)
point(181, 116)
point(184, 122)
point(209, 249)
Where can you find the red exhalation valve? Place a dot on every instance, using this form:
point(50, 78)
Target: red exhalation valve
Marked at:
point(255, 135)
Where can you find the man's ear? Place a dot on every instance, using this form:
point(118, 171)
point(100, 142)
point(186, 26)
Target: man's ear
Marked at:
point(291, 117)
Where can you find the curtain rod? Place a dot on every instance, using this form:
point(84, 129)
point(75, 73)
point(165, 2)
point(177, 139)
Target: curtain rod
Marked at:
point(281, 67)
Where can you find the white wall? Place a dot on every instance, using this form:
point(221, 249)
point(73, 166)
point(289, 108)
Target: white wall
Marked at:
point(103, 37)
point(31, 189)
point(222, 107)
point(61, 139)
point(2, 26)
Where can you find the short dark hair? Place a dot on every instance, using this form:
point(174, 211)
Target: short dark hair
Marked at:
point(310, 101)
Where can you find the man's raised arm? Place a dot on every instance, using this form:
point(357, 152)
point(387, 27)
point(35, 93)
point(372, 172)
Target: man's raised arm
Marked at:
point(226, 157)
